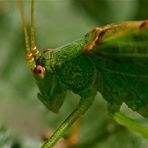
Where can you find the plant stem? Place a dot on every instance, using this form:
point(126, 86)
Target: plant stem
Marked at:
point(130, 124)
point(81, 108)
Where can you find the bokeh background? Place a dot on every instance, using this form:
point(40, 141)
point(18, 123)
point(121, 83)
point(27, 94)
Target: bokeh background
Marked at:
point(24, 121)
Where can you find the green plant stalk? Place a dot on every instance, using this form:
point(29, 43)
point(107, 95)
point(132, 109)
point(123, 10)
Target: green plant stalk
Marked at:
point(81, 108)
point(130, 124)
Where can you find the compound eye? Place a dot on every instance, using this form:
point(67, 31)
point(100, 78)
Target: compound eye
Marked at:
point(40, 71)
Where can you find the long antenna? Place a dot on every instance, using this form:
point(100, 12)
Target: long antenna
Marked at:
point(21, 8)
point(29, 57)
point(34, 50)
point(32, 25)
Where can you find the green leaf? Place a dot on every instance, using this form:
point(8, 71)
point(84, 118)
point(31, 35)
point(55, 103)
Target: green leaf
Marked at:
point(130, 124)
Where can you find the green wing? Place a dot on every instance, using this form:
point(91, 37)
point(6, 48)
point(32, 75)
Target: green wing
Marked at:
point(121, 57)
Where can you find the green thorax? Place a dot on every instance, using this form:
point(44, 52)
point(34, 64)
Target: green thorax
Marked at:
point(73, 68)
point(66, 68)
point(78, 73)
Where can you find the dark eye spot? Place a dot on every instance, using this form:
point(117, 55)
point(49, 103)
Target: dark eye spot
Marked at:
point(39, 69)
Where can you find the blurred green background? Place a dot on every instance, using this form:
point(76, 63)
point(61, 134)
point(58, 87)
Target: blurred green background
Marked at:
point(23, 119)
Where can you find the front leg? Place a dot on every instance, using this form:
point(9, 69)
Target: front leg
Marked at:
point(81, 108)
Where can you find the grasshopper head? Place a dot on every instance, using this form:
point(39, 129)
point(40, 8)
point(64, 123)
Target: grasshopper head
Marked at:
point(52, 94)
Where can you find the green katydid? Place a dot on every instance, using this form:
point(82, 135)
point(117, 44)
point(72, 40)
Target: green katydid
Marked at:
point(112, 60)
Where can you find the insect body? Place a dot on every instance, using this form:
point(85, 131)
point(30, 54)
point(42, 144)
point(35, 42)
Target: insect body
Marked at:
point(112, 60)
point(122, 60)
point(76, 65)
point(69, 70)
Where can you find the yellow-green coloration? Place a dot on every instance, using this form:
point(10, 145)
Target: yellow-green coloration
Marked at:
point(112, 60)
point(66, 70)
point(74, 75)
